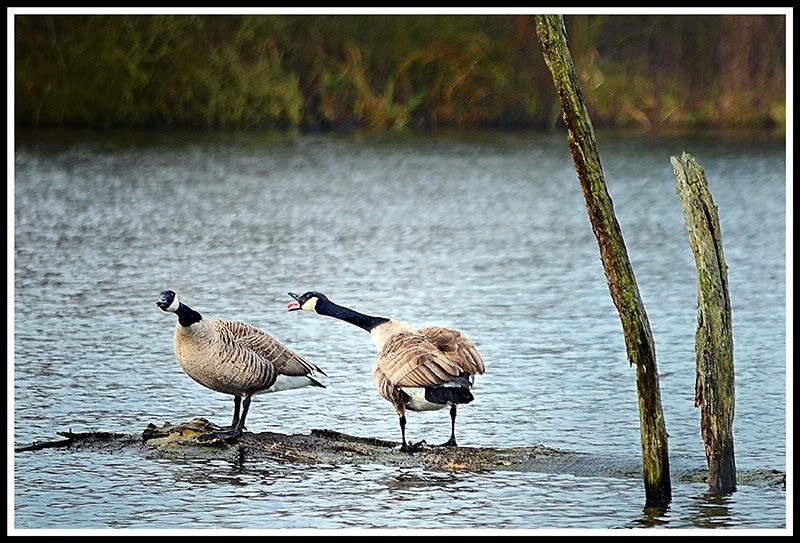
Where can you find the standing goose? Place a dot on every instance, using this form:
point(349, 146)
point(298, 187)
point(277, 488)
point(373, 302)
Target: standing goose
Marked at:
point(416, 369)
point(234, 358)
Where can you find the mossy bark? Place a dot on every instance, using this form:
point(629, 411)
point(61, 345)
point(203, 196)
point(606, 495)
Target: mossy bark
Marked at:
point(614, 256)
point(714, 388)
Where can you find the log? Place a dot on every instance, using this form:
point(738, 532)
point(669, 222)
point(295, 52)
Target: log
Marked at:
point(614, 256)
point(194, 440)
point(71, 439)
point(714, 386)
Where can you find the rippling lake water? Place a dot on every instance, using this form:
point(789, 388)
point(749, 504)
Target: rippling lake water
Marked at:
point(484, 232)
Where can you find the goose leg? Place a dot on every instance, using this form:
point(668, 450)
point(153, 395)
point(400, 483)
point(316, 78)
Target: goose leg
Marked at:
point(408, 447)
point(245, 408)
point(236, 403)
point(404, 446)
point(452, 441)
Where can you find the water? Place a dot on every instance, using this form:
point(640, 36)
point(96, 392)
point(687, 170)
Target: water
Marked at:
point(487, 233)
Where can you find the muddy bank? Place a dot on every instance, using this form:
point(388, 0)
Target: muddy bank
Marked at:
point(194, 439)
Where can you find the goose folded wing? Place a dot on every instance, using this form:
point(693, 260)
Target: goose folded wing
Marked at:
point(410, 360)
point(286, 361)
point(291, 363)
point(457, 347)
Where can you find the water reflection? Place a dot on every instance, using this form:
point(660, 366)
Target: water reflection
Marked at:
point(419, 481)
point(652, 517)
point(235, 469)
point(710, 511)
point(218, 472)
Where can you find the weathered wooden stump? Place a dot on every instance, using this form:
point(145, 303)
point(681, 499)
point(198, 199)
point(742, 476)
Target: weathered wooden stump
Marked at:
point(714, 387)
point(614, 256)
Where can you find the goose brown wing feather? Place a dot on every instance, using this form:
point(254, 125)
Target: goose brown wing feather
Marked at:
point(408, 359)
point(285, 361)
point(457, 347)
point(239, 366)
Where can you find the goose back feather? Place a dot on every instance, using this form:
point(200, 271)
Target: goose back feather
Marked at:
point(456, 347)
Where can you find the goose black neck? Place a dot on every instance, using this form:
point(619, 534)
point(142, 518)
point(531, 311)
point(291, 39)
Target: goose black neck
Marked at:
point(330, 309)
point(187, 316)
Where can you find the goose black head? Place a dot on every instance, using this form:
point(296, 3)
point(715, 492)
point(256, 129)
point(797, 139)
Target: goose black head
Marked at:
point(168, 301)
point(307, 301)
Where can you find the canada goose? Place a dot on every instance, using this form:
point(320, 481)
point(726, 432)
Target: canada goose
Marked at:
point(416, 369)
point(234, 358)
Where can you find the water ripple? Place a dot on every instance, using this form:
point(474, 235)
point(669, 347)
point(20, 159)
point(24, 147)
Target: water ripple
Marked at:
point(486, 233)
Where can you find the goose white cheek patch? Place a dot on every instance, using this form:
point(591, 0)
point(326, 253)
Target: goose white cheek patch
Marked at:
point(293, 305)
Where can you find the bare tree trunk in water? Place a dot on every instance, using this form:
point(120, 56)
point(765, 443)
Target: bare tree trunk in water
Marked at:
point(714, 389)
point(616, 264)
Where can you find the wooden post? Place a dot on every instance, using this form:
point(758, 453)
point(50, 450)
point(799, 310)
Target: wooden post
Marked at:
point(714, 388)
point(614, 255)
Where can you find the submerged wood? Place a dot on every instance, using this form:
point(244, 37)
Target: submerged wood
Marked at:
point(96, 438)
point(714, 387)
point(614, 256)
point(194, 440)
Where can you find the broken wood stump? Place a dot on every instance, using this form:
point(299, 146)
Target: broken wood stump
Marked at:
point(715, 384)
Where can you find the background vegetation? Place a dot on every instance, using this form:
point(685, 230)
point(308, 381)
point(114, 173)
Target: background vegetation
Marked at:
point(332, 72)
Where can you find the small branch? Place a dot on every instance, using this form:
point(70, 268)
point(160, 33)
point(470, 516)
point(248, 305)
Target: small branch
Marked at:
point(76, 439)
point(39, 445)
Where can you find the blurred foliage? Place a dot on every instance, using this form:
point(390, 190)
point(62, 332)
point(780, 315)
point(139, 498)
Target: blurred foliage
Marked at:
point(392, 71)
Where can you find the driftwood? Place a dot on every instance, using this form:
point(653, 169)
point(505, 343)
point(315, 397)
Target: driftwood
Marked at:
point(714, 388)
point(614, 256)
point(194, 439)
point(79, 438)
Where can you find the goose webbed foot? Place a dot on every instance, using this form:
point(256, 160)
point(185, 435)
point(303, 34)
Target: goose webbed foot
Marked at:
point(230, 428)
point(228, 435)
point(412, 447)
point(449, 443)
